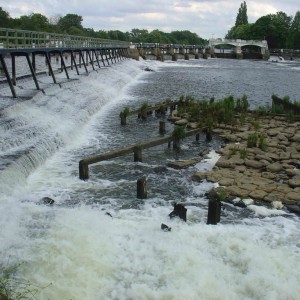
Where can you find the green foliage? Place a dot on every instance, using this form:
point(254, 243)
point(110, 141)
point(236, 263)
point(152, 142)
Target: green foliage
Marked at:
point(178, 132)
point(252, 140)
point(144, 106)
point(290, 116)
point(243, 153)
point(277, 109)
point(262, 143)
point(13, 289)
point(235, 150)
point(125, 112)
point(242, 17)
point(255, 125)
point(4, 18)
point(69, 21)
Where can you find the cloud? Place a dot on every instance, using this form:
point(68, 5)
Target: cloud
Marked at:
point(205, 17)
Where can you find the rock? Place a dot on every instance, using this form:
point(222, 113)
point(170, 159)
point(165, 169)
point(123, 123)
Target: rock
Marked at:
point(147, 69)
point(294, 182)
point(292, 172)
point(248, 201)
point(165, 227)
point(160, 169)
point(226, 181)
point(193, 125)
point(47, 201)
point(240, 204)
point(273, 197)
point(277, 204)
point(199, 176)
point(253, 164)
point(108, 214)
point(296, 138)
point(224, 163)
point(203, 152)
point(293, 208)
point(181, 164)
point(181, 122)
point(258, 194)
point(237, 192)
point(274, 168)
point(295, 156)
point(293, 196)
point(179, 211)
point(284, 155)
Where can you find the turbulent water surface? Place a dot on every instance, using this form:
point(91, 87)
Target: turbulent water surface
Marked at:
point(75, 250)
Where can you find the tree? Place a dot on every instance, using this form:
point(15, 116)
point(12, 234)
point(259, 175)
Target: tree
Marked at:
point(294, 36)
point(70, 21)
point(138, 35)
point(274, 28)
point(4, 18)
point(242, 17)
point(117, 35)
point(243, 32)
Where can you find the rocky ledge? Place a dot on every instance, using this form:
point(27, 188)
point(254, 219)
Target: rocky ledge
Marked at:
point(268, 171)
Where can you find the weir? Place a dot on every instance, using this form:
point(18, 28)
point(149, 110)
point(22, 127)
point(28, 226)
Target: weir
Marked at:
point(29, 44)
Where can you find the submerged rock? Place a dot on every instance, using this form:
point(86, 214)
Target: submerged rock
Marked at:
point(165, 227)
point(47, 201)
point(179, 211)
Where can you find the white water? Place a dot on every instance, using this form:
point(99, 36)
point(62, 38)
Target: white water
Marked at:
point(85, 254)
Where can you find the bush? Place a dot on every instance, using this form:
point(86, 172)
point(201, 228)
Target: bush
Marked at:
point(262, 143)
point(252, 140)
point(178, 132)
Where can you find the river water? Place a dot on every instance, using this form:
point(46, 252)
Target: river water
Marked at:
point(75, 250)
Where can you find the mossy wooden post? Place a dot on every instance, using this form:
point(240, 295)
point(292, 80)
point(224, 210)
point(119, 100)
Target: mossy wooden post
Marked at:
point(142, 188)
point(178, 134)
point(137, 154)
point(162, 127)
point(123, 115)
point(214, 212)
point(83, 170)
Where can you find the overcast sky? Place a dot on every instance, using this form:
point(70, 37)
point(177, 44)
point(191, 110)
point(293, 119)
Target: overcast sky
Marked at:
point(207, 18)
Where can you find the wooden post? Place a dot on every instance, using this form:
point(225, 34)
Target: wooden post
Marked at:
point(208, 135)
point(137, 154)
point(142, 188)
point(162, 127)
point(214, 212)
point(123, 119)
point(83, 170)
point(197, 137)
point(176, 143)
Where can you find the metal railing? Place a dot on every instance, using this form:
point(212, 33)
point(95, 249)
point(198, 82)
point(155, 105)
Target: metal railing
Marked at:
point(15, 39)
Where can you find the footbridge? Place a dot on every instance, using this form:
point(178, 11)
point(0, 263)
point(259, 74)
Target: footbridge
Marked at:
point(67, 51)
point(239, 47)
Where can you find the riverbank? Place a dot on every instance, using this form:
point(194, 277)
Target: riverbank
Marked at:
point(268, 171)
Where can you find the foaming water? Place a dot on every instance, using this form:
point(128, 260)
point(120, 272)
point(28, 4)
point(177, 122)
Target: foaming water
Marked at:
point(86, 253)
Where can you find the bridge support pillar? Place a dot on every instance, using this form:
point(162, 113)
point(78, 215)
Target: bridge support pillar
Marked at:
point(238, 52)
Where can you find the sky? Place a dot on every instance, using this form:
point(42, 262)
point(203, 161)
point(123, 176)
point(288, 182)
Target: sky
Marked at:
point(207, 18)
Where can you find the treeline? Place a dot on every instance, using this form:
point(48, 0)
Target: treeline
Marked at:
point(72, 24)
point(280, 30)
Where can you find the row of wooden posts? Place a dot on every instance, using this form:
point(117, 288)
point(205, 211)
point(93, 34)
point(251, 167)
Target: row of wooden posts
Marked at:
point(214, 207)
